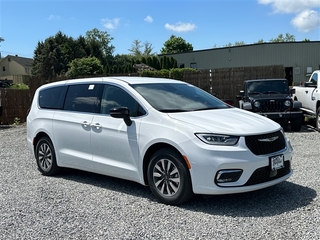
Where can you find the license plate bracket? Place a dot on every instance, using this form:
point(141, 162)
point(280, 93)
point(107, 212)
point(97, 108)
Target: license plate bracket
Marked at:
point(276, 162)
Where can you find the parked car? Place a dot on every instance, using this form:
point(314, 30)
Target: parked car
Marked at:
point(309, 96)
point(170, 135)
point(271, 98)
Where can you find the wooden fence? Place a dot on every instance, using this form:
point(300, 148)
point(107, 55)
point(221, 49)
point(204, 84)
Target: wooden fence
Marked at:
point(224, 83)
point(15, 104)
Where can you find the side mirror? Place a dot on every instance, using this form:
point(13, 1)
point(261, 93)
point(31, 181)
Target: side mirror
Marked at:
point(121, 112)
point(240, 95)
point(292, 91)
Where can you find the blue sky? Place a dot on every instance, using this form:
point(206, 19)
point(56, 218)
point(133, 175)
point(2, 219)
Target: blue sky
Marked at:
point(203, 23)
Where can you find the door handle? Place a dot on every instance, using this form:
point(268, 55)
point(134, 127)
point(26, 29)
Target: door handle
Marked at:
point(96, 125)
point(85, 123)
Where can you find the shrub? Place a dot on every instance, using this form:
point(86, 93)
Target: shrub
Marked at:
point(21, 86)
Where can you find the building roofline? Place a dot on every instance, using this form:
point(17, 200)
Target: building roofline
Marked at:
point(245, 45)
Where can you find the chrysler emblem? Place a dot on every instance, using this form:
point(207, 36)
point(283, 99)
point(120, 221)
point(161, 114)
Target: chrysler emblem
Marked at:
point(268, 139)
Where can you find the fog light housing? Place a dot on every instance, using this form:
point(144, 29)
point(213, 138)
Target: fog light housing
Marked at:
point(228, 175)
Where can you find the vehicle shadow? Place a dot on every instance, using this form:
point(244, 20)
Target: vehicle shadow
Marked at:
point(275, 200)
point(304, 128)
point(271, 201)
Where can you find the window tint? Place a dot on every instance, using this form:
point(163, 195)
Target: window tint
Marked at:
point(314, 78)
point(278, 86)
point(116, 97)
point(175, 97)
point(52, 97)
point(83, 98)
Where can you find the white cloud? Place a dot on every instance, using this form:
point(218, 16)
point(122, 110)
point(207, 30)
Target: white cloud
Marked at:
point(110, 23)
point(148, 19)
point(291, 6)
point(306, 21)
point(53, 17)
point(180, 27)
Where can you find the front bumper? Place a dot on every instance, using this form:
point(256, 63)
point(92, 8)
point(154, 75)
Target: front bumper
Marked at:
point(256, 173)
point(281, 115)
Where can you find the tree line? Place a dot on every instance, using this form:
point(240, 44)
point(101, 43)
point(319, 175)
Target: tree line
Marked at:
point(93, 54)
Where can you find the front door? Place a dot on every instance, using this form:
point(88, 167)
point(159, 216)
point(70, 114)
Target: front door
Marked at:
point(114, 144)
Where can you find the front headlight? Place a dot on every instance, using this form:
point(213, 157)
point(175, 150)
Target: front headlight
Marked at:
point(287, 103)
point(256, 104)
point(216, 139)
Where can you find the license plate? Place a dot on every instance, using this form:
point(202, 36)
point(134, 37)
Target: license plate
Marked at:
point(277, 162)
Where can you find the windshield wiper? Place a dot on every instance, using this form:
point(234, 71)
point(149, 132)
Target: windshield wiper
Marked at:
point(208, 108)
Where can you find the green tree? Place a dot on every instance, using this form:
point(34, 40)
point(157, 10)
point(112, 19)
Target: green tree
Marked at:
point(287, 38)
point(86, 66)
point(51, 57)
point(138, 49)
point(100, 45)
point(176, 45)
point(241, 43)
point(260, 41)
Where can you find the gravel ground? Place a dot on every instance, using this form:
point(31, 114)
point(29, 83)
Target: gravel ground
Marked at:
point(80, 205)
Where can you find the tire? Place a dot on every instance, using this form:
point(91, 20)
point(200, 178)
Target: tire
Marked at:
point(169, 178)
point(318, 119)
point(46, 157)
point(296, 124)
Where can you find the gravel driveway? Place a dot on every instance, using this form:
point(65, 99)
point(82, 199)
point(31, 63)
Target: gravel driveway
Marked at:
point(80, 205)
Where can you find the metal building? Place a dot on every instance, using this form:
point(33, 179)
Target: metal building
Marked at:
point(299, 59)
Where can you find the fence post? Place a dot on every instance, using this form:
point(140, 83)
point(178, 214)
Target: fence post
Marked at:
point(210, 82)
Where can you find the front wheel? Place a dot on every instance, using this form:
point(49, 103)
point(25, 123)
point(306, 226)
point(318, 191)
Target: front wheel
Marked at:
point(318, 119)
point(169, 178)
point(46, 157)
point(296, 124)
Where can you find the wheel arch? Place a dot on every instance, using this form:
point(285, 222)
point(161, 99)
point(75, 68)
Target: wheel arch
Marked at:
point(38, 137)
point(152, 150)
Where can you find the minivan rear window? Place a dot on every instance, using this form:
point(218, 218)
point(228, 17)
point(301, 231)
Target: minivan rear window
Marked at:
point(52, 98)
point(84, 98)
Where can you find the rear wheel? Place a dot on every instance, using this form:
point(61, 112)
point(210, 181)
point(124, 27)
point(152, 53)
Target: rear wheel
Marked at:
point(46, 157)
point(169, 178)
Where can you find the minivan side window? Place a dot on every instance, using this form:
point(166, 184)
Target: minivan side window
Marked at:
point(116, 97)
point(52, 98)
point(83, 98)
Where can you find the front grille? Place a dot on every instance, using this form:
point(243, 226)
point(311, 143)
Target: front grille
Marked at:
point(272, 106)
point(262, 144)
point(262, 175)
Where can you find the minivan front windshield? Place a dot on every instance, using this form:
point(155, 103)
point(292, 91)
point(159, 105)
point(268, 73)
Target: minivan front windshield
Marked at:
point(178, 97)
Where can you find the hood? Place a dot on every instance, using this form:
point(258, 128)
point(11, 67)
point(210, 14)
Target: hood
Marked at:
point(231, 121)
point(269, 96)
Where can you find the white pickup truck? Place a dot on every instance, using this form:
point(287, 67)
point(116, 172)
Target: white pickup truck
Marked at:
point(309, 95)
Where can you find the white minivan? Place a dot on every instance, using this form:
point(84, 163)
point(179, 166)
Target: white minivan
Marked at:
point(170, 135)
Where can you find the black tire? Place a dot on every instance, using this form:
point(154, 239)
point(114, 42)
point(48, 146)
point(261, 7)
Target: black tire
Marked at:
point(46, 157)
point(318, 119)
point(296, 124)
point(169, 178)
